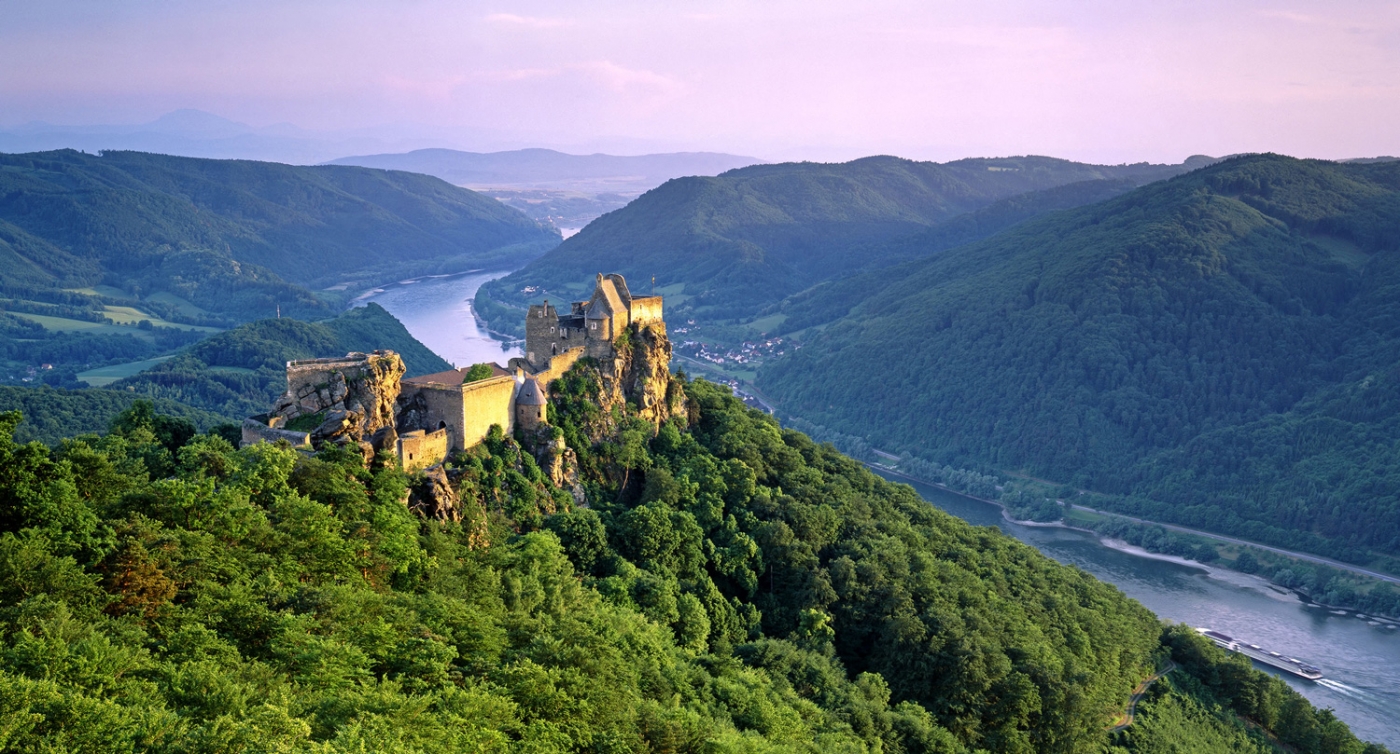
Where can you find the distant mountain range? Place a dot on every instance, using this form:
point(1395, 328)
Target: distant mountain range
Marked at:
point(195, 133)
point(548, 169)
point(568, 191)
point(726, 248)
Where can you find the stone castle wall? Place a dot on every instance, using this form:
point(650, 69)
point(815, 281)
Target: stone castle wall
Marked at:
point(546, 336)
point(646, 309)
point(365, 384)
point(558, 366)
point(255, 431)
point(465, 411)
point(485, 403)
point(420, 449)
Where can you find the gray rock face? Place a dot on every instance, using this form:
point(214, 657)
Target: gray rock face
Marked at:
point(356, 395)
point(433, 496)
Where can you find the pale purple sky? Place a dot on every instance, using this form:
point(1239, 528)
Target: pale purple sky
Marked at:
point(1107, 81)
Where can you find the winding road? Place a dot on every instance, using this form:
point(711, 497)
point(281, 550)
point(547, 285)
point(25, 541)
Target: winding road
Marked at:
point(1131, 712)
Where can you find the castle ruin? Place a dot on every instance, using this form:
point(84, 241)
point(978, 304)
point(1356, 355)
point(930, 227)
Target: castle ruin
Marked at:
point(365, 400)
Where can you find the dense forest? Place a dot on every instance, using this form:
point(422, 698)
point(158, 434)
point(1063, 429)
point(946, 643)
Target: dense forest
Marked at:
point(1216, 350)
point(725, 248)
point(711, 583)
point(239, 372)
point(51, 414)
point(237, 237)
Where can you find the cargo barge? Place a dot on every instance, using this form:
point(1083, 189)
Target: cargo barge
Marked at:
point(1255, 652)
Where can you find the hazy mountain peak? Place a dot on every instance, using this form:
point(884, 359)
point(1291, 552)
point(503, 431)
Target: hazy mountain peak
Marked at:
point(197, 123)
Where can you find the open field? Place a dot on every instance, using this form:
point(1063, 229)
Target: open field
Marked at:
point(63, 324)
point(102, 290)
point(104, 376)
point(127, 315)
point(170, 299)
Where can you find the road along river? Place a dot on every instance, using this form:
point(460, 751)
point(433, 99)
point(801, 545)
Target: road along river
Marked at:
point(1361, 659)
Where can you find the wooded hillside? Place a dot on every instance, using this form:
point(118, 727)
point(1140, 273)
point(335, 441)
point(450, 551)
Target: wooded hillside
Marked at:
point(731, 587)
point(727, 247)
point(1219, 348)
point(228, 236)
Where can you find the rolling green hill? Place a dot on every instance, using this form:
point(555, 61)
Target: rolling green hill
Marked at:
point(730, 587)
point(234, 237)
point(1217, 350)
point(238, 373)
point(727, 247)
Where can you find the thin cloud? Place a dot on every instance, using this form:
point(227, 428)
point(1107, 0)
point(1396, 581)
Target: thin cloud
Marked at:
point(534, 22)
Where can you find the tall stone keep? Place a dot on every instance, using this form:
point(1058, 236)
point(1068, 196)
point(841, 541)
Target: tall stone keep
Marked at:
point(591, 325)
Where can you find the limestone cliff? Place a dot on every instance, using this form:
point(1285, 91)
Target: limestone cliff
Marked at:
point(640, 374)
point(353, 397)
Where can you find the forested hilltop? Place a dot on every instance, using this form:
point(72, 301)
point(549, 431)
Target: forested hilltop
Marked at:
point(724, 248)
point(1217, 350)
point(729, 587)
point(239, 372)
point(234, 237)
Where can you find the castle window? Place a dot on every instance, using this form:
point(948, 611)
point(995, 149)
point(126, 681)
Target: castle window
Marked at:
point(593, 325)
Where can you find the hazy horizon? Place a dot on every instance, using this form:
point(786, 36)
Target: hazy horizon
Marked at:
point(1100, 82)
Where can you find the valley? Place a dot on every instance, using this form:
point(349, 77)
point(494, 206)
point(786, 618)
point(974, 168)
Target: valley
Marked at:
point(1357, 655)
point(705, 378)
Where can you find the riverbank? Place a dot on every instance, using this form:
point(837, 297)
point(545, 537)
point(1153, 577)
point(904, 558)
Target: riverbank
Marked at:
point(439, 311)
point(1306, 557)
point(1220, 573)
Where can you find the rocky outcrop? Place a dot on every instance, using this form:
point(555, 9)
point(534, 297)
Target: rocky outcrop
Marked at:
point(432, 496)
point(556, 459)
point(640, 373)
point(353, 397)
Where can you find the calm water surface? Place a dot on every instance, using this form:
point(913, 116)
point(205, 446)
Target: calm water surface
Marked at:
point(438, 312)
point(1361, 661)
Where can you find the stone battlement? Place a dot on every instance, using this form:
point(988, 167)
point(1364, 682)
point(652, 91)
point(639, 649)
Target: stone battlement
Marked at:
point(362, 398)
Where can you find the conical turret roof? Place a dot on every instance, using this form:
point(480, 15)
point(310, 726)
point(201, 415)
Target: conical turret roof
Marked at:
point(530, 394)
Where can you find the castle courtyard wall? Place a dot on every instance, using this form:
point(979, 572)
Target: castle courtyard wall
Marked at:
point(484, 403)
point(558, 366)
point(419, 449)
point(254, 432)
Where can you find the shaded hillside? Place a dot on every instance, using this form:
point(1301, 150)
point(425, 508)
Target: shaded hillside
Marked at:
point(831, 300)
point(235, 237)
point(1220, 346)
point(729, 246)
point(239, 372)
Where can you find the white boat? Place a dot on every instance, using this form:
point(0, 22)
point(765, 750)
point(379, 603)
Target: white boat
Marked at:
point(1259, 654)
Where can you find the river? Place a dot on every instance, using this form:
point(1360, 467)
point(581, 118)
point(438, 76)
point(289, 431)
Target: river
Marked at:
point(438, 312)
point(1361, 661)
